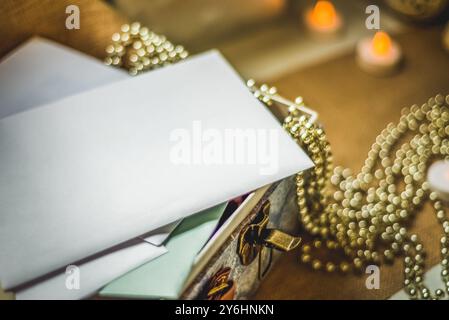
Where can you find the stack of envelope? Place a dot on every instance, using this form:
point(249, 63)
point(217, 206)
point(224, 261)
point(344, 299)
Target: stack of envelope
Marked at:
point(87, 176)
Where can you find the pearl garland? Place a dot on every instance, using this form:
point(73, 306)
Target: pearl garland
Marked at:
point(365, 215)
point(138, 49)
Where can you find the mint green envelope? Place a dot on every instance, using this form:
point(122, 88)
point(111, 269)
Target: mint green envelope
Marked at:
point(165, 276)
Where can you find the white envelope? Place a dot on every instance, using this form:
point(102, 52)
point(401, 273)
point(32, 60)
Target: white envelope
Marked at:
point(92, 275)
point(93, 170)
point(157, 237)
point(41, 71)
point(41, 82)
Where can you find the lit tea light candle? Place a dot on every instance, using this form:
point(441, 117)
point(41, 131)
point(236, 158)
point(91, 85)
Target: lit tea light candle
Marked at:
point(438, 178)
point(323, 19)
point(379, 55)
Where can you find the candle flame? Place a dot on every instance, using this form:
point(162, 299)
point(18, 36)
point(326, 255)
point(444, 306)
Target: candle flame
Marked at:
point(324, 13)
point(381, 43)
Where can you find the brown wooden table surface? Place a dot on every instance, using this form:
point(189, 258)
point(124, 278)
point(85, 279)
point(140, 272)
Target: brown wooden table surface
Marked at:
point(353, 106)
point(21, 19)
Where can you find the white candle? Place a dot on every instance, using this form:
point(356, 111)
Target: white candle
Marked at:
point(438, 177)
point(323, 19)
point(379, 55)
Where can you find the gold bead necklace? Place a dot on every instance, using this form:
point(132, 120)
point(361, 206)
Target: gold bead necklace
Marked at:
point(138, 49)
point(365, 216)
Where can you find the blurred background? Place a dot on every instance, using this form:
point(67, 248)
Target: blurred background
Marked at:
point(265, 38)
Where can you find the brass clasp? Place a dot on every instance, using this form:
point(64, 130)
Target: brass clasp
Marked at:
point(255, 236)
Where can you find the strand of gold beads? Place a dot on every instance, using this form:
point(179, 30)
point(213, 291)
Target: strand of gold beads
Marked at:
point(365, 216)
point(138, 49)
